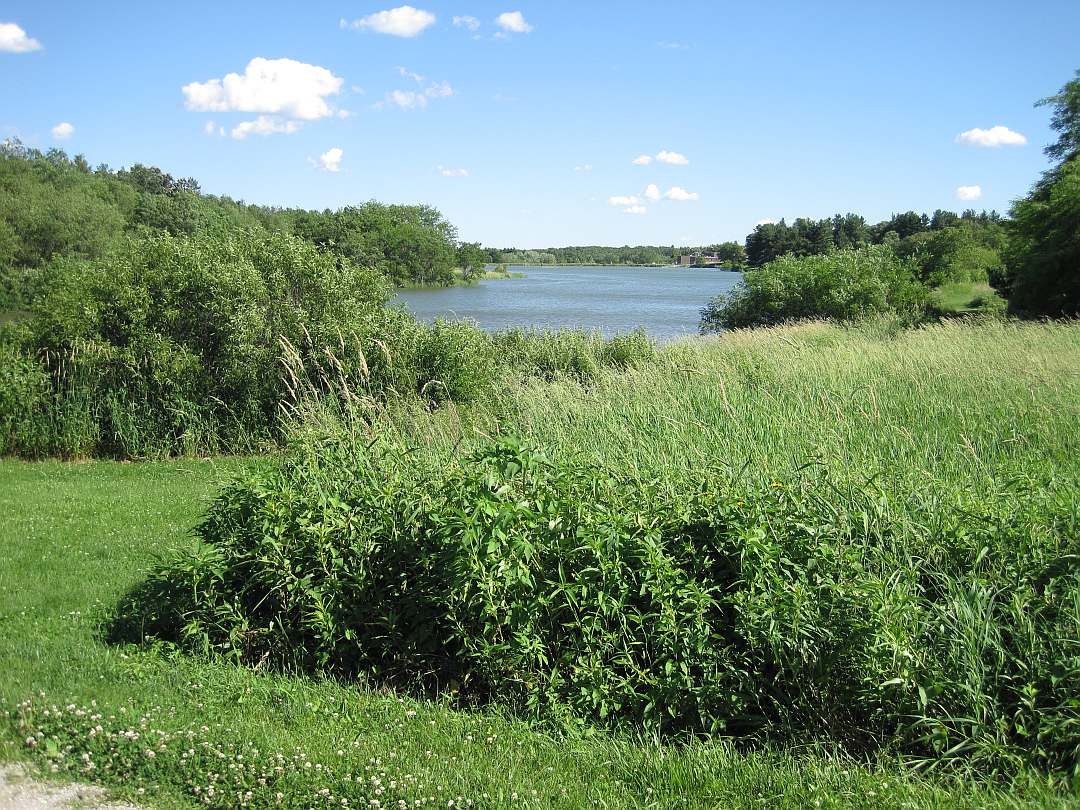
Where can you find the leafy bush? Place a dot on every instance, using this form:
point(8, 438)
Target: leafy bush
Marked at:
point(564, 590)
point(844, 285)
point(455, 361)
point(172, 344)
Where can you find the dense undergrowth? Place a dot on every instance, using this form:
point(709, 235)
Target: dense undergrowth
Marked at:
point(865, 534)
point(176, 345)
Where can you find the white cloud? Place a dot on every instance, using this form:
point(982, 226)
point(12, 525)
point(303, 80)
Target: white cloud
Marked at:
point(993, 137)
point(624, 200)
point(514, 22)
point(636, 209)
point(416, 99)
point(681, 195)
point(585, 167)
point(672, 46)
point(765, 222)
point(968, 193)
point(330, 160)
point(63, 131)
point(14, 40)
point(264, 125)
point(406, 99)
point(403, 21)
point(210, 128)
point(448, 172)
point(278, 86)
point(672, 158)
point(408, 74)
point(642, 160)
point(466, 21)
point(439, 90)
point(652, 192)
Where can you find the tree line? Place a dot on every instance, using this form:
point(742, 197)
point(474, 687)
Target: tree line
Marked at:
point(54, 206)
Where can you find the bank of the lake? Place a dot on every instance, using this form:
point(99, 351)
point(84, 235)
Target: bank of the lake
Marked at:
point(664, 301)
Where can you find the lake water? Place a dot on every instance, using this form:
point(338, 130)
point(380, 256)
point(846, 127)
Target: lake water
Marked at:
point(665, 301)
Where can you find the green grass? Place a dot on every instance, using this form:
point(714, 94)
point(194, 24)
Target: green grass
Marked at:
point(937, 412)
point(13, 315)
point(965, 297)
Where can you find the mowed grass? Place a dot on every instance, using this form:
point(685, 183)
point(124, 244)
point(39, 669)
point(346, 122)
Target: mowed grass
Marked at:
point(943, 412)
point(965, 296)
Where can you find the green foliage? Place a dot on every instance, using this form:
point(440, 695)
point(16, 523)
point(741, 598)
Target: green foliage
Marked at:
point(410, 244)
point(960, 253)
point(907, 231)
point(173, 345)
point(589, 255)
point(455, 361)
point(1065, 120)
point(844, 285)
point(1045, 250)
point(78, 535)
point(565, 590)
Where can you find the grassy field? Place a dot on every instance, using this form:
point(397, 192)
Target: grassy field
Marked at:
point(946, 415)
point(966, 297)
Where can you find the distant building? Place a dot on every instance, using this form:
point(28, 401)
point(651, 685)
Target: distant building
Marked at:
point(699, 261)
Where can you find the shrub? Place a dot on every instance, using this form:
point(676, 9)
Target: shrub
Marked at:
point(563, 590)
point(173, 343)
point(455, 362)
point(844, 285)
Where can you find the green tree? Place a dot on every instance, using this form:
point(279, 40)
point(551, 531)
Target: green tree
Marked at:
point(1044, 253)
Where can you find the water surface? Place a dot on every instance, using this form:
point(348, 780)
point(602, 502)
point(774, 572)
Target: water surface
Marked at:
point(664, 301)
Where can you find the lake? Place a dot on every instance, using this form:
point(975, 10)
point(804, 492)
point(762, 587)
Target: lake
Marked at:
point(664, 301)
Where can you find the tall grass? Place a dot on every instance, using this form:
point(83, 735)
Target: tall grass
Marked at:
point(861, 532)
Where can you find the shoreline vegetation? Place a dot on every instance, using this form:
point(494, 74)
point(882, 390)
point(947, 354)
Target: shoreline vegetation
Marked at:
point(823, 554)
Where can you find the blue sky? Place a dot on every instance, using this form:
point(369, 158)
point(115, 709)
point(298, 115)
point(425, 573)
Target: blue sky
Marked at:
point(522, 128)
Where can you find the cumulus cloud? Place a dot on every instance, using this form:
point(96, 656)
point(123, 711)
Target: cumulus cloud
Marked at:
point(264, 125)
point(681, 195)
point(466, 21)
point(408, 74)
point(14, 40)
point(210, 128)
point(672, 158)
point(330, 160)
point(993, 137)
point(513, 22)
point(642, 160)
point(585, 167)
point(448, 172)
point(275, 86)
point(403, 21)
point(968, 193)
point(63, 131)
point(636, 209)
point(652, 192)
point(624, 200)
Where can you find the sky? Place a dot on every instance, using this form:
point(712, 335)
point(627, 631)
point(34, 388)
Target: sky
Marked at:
point(536, 124)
